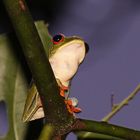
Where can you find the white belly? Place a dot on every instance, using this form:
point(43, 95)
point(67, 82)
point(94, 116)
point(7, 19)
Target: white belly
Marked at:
point(63, 70)
point(65, 62)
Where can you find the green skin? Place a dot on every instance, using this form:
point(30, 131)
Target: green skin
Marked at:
point(64, 43)
point(32, 108)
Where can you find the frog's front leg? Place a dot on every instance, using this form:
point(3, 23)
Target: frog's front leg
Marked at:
point(63, 89)
point(71, 105)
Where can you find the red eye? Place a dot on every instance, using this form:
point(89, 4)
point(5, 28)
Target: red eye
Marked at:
point(58, 38)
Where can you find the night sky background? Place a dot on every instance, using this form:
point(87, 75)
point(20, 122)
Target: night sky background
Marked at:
point(112, 66)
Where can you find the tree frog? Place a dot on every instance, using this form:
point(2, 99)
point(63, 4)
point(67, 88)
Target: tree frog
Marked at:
point(65, 56)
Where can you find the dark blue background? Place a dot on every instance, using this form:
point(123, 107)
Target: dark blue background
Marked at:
point(111, 28)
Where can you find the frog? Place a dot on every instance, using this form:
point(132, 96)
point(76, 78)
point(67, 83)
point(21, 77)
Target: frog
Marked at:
point(65, 56)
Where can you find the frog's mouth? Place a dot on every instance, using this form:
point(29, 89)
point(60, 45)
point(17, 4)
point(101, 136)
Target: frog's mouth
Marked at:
point(74, 50)
point(76, 43)
point(73, 42)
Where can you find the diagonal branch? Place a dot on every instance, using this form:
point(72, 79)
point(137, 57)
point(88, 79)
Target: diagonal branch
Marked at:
point(106, 129)
point(53, 104)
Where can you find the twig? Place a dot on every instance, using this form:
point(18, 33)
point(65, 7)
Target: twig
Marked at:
point(122, 104)
point(112, 101)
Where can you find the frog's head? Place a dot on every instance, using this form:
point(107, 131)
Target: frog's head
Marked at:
point(60, 41)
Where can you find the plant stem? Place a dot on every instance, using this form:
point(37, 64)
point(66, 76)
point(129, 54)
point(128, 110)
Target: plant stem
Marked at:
point(47, 133)
point(95, 136)
point(107, 129)
point(53, 104)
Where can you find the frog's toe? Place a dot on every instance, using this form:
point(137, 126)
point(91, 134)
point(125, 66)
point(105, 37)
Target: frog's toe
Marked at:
point(68, 102)
point(64, 88)
point(61, 85)
point(74, 101)
point(77, 110)
point(72, 109)
point(62, 93)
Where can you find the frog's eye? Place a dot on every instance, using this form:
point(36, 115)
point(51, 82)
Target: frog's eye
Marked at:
point(58, 38)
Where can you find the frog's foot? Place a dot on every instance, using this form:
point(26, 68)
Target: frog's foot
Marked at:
point(72, 109)
point(62, 88)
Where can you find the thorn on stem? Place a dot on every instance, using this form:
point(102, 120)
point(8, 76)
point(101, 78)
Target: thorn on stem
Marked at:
point(112, 101)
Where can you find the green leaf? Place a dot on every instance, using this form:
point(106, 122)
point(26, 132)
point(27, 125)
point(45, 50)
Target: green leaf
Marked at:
point(44, 35)
point(13, 88)
point(14, 81)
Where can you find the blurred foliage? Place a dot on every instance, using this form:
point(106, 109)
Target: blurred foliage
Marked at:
point(14, 81)
point(13, 87)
